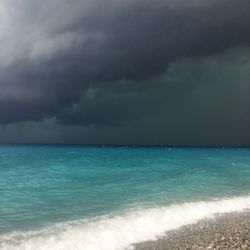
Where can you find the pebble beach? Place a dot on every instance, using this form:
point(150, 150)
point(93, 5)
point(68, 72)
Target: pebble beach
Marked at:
point(227, 231)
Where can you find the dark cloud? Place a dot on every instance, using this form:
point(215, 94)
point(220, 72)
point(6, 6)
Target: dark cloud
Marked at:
point(117, 63)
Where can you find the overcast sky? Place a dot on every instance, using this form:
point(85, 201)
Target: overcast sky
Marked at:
point(172, 72)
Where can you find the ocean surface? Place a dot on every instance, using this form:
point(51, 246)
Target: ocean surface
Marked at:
point(108, 198)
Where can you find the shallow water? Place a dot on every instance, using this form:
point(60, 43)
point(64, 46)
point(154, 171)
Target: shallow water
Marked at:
point(50, 195)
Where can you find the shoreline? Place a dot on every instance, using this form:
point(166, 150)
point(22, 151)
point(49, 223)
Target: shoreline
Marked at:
point(224, 231)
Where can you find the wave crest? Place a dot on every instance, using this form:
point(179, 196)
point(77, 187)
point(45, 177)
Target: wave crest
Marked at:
point(120, 232)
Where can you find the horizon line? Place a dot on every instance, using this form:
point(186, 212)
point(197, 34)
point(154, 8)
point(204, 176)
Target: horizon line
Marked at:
point(122, 145)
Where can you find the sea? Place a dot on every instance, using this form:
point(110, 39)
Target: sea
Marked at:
point(61, 197)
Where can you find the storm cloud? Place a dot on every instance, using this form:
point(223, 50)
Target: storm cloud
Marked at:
point(140, 72)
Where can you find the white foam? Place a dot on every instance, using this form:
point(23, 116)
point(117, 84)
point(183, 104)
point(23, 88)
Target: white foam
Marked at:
point(119, 232)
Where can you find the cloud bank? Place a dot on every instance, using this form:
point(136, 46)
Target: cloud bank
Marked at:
point(141, 72)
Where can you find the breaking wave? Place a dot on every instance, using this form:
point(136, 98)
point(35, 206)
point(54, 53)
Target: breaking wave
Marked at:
point(120, 231)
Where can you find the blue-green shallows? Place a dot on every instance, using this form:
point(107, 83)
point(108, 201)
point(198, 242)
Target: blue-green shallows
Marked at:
point(40, 185)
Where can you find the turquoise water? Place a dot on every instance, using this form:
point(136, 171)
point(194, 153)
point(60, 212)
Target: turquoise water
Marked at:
point(41, 186)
